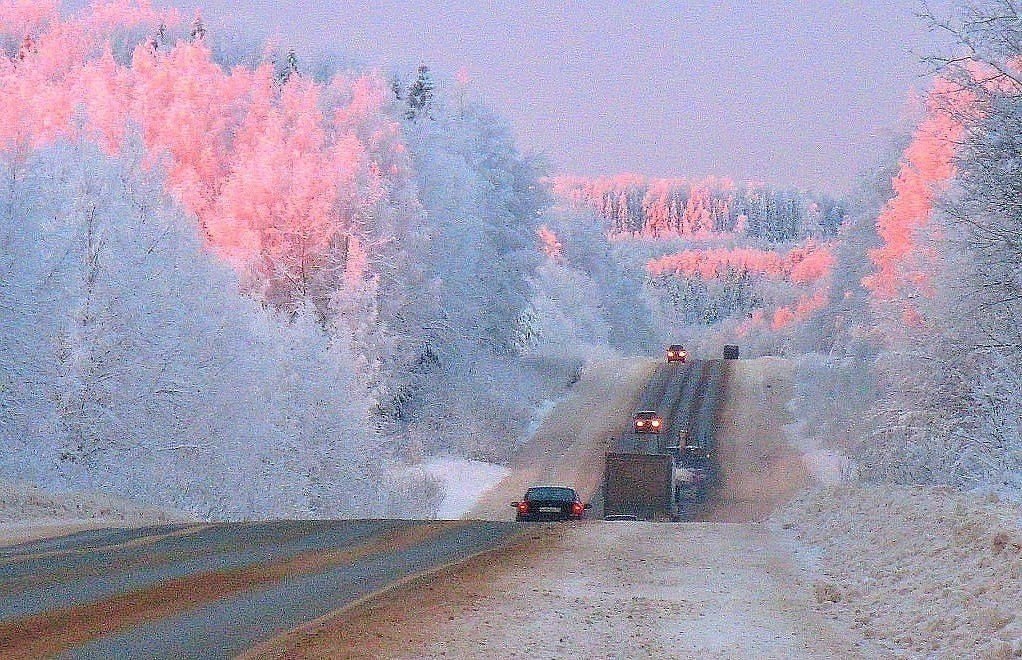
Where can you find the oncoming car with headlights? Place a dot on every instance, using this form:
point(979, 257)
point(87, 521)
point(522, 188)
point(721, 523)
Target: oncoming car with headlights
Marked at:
point(648, 421)
point(676, 353)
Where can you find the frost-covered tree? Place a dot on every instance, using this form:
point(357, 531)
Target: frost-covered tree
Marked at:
point(947, 272)
point(672, 208)
point(132, 364)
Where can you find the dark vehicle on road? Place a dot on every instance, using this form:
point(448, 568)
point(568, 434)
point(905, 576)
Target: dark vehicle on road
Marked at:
point(730, 352)
point(696, 474)
point(549, 503)
point(638, 485)
point(676, 353)
point(648, 421)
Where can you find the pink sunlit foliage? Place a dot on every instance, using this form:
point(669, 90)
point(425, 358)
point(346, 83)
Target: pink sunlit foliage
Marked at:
point(281, 177)
point(550, 244)
point(803, 265)
point(927, 168)
point(634, 206)
point(23, 18)
point(785, 316)
point(803, 308)
point(653, 208)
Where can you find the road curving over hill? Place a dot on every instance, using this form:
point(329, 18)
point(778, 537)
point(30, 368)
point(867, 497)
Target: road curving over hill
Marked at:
point(730, 587)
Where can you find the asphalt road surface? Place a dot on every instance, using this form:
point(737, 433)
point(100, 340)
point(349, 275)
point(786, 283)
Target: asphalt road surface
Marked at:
point(569, 447)
point(688, 397)
point(210, 591)
point(622, 589)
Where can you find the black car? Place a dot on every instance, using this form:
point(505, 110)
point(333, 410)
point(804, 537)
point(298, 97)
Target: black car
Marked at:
point(549, 503)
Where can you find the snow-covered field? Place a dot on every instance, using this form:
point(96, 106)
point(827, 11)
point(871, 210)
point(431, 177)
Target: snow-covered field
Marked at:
point(27, 512)
point(918, 572)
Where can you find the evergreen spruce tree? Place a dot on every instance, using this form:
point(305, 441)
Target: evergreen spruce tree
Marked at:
point(420, 94)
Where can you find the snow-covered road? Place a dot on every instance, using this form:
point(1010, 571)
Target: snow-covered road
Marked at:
point(599, 590)
point(568, 447)
point(621, 590)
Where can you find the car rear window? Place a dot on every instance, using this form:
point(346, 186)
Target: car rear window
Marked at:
point(676, 347)
point(559, 494)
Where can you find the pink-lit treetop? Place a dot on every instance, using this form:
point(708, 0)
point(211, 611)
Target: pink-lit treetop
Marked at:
point(550, 244)
point(786, 316)
point(804, 264)
point(280, 175)
point(927, 166)
point(656, 208)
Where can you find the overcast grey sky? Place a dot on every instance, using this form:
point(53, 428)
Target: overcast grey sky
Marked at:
point(801, 93)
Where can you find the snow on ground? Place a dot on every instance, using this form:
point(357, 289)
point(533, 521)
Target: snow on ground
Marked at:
point(464, 482)
point(542, 410)
point(28, 512)
point(919, 572)
point(759, 467)
point(617, 590)
point(596, 590)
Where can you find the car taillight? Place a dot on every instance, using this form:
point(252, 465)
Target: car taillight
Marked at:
point(670, 353)
point(523, 507)
point(655, 422)
point(577, 509)
point(640, 423)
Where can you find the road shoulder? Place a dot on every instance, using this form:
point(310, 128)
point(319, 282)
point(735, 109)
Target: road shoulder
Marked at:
point(597, 590)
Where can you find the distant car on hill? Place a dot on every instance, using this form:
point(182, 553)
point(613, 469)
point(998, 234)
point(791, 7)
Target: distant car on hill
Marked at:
point(648, 421)
point(550, 503)
point(676, 353)
point(730, 352)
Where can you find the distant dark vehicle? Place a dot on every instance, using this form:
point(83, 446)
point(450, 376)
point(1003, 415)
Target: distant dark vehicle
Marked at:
point(550, 503)
point(648, 421)
point(696, 472)
point(693, 448)
point(730, 352)
point(676, 353)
